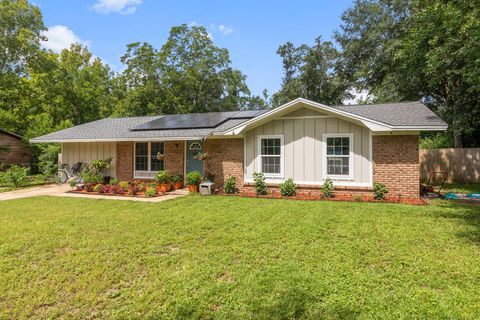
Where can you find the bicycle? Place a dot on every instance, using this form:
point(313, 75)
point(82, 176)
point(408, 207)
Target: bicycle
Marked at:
point(64, 174)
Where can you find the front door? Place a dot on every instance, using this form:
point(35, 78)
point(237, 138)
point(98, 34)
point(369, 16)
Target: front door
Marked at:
point(193, 164)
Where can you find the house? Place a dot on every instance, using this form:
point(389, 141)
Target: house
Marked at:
point(355, 146)
point(12, 149)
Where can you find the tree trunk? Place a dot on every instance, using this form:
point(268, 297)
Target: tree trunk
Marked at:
point(457, 139)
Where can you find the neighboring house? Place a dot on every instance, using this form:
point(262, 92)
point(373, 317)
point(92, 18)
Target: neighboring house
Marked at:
point(12, 149)
point(355, 146)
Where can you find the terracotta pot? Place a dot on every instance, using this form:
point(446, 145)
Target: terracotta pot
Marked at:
point(193, 188)
point(164, 187)
point(178, 185)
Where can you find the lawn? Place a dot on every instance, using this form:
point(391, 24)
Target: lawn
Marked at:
point(229, 257)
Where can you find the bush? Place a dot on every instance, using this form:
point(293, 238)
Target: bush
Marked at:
point(230, 185)
point(72, 183)
point(260, 185)
point(176, 178)
point(379, 191)
point(153, 185)
point(132, 189)
point(113, 181)
point(151, 192)
point(48, 159)
point(17, 176)
point(288, 188)
point(162, 177)
point(100, 165)
point(89, 186)
point(194, 178)
point(141, 186)
point(91, 176)
point(98, 188)
point(327, 188)
point(123, 186)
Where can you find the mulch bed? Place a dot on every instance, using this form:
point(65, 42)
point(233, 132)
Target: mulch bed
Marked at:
point(138, 195)
point(340, 197)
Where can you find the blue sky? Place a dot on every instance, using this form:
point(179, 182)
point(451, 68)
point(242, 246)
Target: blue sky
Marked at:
point(250, 30)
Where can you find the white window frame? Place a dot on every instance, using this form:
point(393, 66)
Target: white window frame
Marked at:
point(148, 174)
point(350, 155)
point(259, 155)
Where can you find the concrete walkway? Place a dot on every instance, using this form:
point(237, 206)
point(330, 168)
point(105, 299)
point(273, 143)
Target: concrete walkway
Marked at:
point(62, 191)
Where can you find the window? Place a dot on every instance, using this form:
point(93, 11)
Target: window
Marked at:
point(271, 153)
point(149, 156)
point(156, 155)
point(141, 156)
point(338, 155)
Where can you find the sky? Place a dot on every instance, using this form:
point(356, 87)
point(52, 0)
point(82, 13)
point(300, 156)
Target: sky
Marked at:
point(251, 30)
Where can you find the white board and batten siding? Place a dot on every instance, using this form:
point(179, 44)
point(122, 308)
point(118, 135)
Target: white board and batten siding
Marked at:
point(88, 151)
point(304, 148)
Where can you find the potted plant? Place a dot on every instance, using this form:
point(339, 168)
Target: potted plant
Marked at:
point(177, 180)
point(163, 181)
point(193, 179)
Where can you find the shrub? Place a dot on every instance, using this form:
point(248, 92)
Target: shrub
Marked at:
point(194, 178)
point(17, 176)
point(176, 178)
point(230, 185)
point(153, 185)
point(327, 188)
point(141, 186)
point(98, 188)
point(151, 192)
point(379, 191)
point(113, 181)
point(288, 188)
point(91, 176)
point(260, 185)
point(90, 186)
point(72, 183)
point(115, 189)
point(48, 159)
point(100, 165)
point(162, 177)
point(123, 186)
point(132, 189)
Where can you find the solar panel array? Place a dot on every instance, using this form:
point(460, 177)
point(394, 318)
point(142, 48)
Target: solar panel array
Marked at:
point(196, 120)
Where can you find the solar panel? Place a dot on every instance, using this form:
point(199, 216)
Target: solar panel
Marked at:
point(196, 120)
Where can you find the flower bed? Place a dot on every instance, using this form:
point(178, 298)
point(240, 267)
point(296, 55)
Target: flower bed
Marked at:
point(133, 188)
point(340, 197)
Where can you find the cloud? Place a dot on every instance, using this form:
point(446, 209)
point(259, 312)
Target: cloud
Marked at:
point(61, 37)
point(117, 6)
point(225, 30)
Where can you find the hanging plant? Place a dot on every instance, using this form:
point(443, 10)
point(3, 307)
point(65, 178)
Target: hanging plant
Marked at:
point(200, 156)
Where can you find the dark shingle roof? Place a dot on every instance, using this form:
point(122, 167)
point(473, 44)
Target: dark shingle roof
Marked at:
point(396, 114)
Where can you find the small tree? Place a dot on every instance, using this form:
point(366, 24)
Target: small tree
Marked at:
point(260, 185)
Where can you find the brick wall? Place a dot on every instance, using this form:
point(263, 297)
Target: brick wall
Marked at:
point(396, 165)
point(225, 158)
point(174, 156)
point(124, 160)
point(17, 154)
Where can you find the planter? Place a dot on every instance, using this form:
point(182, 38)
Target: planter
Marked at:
point(193, 188)
point(164, 187)
point(178, 185)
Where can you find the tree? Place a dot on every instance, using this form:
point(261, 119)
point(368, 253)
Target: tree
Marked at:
point(312, 73)
point(188, 74)
point(411, 50)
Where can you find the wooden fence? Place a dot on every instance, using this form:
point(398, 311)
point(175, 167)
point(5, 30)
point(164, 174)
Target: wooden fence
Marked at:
point(462, 165)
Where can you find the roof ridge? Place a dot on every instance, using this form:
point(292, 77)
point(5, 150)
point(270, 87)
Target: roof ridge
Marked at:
point(376, 104)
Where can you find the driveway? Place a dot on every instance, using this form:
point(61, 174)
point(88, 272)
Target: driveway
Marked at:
point(61, 191)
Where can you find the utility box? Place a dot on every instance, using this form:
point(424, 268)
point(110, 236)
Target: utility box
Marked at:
point(206, 188)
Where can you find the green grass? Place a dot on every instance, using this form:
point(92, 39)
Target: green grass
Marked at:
point(462, 188)
point(229, 258)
